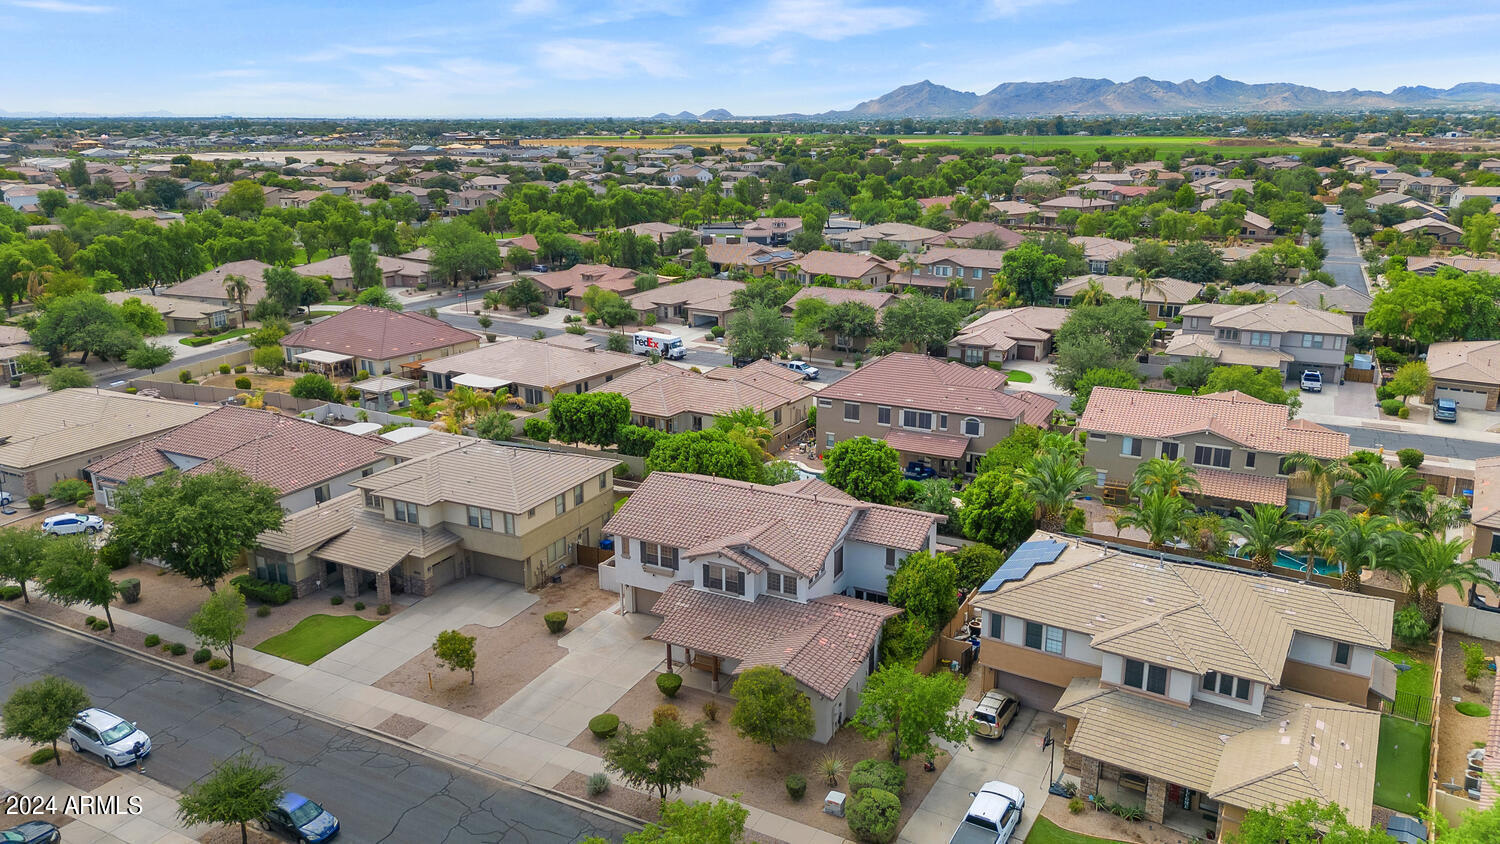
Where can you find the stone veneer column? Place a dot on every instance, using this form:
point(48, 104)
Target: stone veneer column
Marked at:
point(1156, 799)
point(351, 580)
point(383, 588)
point(1089, 779)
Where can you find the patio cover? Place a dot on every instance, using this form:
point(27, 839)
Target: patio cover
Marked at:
point(320, 356)
point(384, 384)
point(935, 445)
point(480, 382)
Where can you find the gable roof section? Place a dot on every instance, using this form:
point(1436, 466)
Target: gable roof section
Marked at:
point(665, 390)
point(61, 424)
point(1273, 316)
point(1170, 290)
point(1472, 361)
point(921, 381)
point(712, 294)
point(378, 334)
point(533, 362)
point(1001, 329)
point(842, 264)
point(477, 472)
point(1235, 416)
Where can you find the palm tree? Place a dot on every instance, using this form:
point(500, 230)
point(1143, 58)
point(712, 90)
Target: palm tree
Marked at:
point(1058, 442)
point(1171, 476)
point(1314, 543)
point(910, 264)
point(1054, 480)
point(1323, 476)
point(464, 404)
point(1358, 542)
point(35, 277)
point(749, 427)
point(1380, 489)
point(1428, 563)
point(1159, 514)
point(1265, 531)
point(1430, 513)
point(237, 288)
point(1148, 286)
point(1092, 293)
point(950, 290)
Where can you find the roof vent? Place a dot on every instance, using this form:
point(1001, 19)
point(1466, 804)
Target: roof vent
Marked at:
point(1312, 761)
point(1313, 740)
point(1148, 601)
point(1100, 618)
point(1223, 738)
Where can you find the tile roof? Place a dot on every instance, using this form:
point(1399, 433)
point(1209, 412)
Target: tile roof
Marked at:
point(1173, 291)
point(538, 363)
point(665, 390)
point(922, 442)
point(371, 543)
point(1100, 248)
point(968, 231)
point(985, 259)
point(822, 643)
point(1235, 416)
point(65, 423)
point(1001, 329)
point(921, 381)
point(838, 295)
point(886, 231)
point(708, 294)
point(1486, 509)
point(484, 474)
point(1316, 294)
point(312, 527)
point(1190, 344)
point(210, 283)
point(283, 452)
point(1231, 486)
point(578, 278)
point(378, 334)
point(796, 529)
point(1472, 361)
point(842, 264)
point(179, 308)
point(1273, 316)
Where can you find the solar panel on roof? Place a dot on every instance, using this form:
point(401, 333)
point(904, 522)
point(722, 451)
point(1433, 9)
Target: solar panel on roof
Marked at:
point(1019, 564)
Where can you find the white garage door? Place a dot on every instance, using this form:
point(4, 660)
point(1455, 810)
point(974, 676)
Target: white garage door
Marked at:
point(1470, 399)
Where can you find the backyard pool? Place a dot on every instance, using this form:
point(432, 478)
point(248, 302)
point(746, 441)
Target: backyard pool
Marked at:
point(1288, 560)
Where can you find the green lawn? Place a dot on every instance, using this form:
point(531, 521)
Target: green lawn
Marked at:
point(204, 341)
point(1016, 376)
point(1047, 832)
point(315, 637)
point(1401, 766)
point(319, 314)
point(1418, 680)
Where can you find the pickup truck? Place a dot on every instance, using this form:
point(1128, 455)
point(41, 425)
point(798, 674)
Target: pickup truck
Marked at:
point(1312, 381)
point(992, 817)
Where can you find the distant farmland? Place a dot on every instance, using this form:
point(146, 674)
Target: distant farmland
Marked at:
point(1163, 144)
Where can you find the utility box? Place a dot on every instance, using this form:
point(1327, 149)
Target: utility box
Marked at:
point(833, 804)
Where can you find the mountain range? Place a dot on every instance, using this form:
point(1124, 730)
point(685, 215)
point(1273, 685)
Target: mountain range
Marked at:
point(1144, 95)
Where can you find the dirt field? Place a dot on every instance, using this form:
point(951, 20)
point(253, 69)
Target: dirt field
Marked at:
point(509, 656)
point(258, 381)
point(758, 774)
point(1457, 733)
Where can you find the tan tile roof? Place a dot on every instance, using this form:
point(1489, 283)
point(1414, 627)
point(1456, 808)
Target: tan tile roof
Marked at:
point(842, 264)
point(665, 390)
point(1231, 486)
point(838, 295)
point(524, 361)
point(886, 231)
point(1487, 784)
point(1189, 344)
point(1235, 416)
point(921, 381)
point(968, 231)
point(372, 543)
point(1298, 747)
point(984, 259)
point(312, 527)
point(742, 254)
point(378, 334)
point(1273, 316)
point(180, 308)
point(1001, 329)
point(1174, 291)
point(708, 294)
point(796, 529)
point(822, 643)
point(56, 425)
point(1472, 361)
point(210, 284)
point(1486, 510)
point(1100, 248)
point(484, 474)
point(579, 277)
point(283, 452)
point(1316, 294)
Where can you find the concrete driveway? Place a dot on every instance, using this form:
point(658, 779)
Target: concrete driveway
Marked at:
point(1041, 373)
point(1017, 759)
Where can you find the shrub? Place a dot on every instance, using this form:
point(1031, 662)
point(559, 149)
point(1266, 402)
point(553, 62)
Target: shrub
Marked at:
point(665, 712)
point(359, 606)
point(240, 369)
point(130, 390)
point(597, 784)
point(796, 786)
point(223, 369)
point(152, 640)
point(648, 319)
point(717, 331)
point(873, 815)
point(1411, 458)
point(89, 621)
point(336, 600)
point(1077, 805)
point(489, 337)
point(536, 310)
point(838, 362)
point(70, 489)
point(217, 663)
point(669, 684)
point(1384, 393)
point(242, 383)
point(555, 621)
point(1475, 661)
point(264, 591)
point(1404, 412)
point(1129, 813)
point(604, 725)
point(185, 376)
point(262, 611)
point(42, 756)
point(1391, 407)
point(9, 593)
point(359, 376)
point(877, 773)
point(1410, 626)
point(383, 609)
point(130, 590)
point(177, 649)
point(36, 502)
point(537, 428)
point(830, 768)
point(100, 625)
point(202, 655)
point(711, 710)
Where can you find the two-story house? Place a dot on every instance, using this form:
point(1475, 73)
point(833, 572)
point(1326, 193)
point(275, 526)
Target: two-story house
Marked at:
point(939, 413)
point(1445, 233)
point(905, 235)
point(1196, 691)
point(1236, 443)
point(449, 508)
point(672, 399)
point(968, 272)
point(842, 267)
point(1316, 294)
point(1013, 334)
point(1163, 298)
point(1291, 338)
point(1100, 253)
point(744, 575)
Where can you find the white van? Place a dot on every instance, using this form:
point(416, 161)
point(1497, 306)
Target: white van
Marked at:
point(807, 370)
point(669, 346)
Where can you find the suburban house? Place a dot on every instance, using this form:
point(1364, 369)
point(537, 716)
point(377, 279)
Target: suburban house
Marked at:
point(1200, 691)
point(1292, 338)
point(757, 259)
point(772, 231)
point(1235, 443)
point(185, 316)
point(1015, 334)
point(1462, 263)
point(375, 340)
point(208, 286)
point(1485, 515)
point(877, 299)
point(532, 371)
point(14, 342)
point(963, 234)
point(569, 285)
point(939, 413)
point(1163, 298)
point(56, 435)
point(842, 267)
point(1100, 252)
point(1465, 192)
point(1444, 232)
point(969, 272)
point(745, 575)
point(1056, 206)
point(905, 235)
point(697, 302)
point(394, 272)
point(672, 399)
point(1316, 294)
point(1014, 211)
point(1256, 227)
point(1466, 371)
point(449, 508)
point(306, 463)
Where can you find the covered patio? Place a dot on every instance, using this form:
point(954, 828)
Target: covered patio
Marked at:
point(328, 363)
point(375, 547)
point(480, 382)
point(943, 452)
point(381, 391)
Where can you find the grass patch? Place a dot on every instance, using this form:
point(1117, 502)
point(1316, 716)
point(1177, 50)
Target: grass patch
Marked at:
point(1417, 680)
point(204, 341)
point(315, 637)
point(1472, 709)
point(1016, 376)
point(319, 314)
point(1401, 766)
point(1045, 831)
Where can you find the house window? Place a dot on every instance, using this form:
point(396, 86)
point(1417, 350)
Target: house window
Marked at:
point(1312, 341)
point(973, 356)
point(1043, 637)
point(1168, 311)
point(1145, 676)
point(838, 561)
point(1169, 451)
point(1341, 654)
point(481, 518)
point(508, 523)
point(941, 271)
point(776, 417)
point(406, 511)
point(1130, 447)
point(882, 415)
point(604, 480)
point(920, 419)
point(943, 421)
point(533, 395)
point(973, 427)
point(825, 402)
point(1249, 460)
point(851, 411)
point(321, 494)
point(781, 584)
point(1229, 334)
point(1207, 455)
point(577, 495)
point(890, 559)
point(1299, 506)
point(997, 625)
point(660, 556)
point(1226, 685)
point(723, 579)
point(1260, 338)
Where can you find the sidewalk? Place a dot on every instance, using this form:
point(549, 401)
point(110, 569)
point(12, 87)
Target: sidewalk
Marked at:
point(156, 821)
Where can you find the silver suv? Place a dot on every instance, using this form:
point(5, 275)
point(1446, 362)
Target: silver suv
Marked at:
point(106, 734)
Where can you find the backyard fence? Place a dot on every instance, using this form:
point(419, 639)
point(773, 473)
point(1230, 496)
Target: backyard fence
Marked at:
point(1411, 706)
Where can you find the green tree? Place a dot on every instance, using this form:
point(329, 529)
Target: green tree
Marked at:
point(379, 297)
point(758, 331)
point(315, 386)
point(144, 318)
point(456, 651)
point(364, 265)
point(976, 563)
point(1479, 232)
point(1263, 384)
point(1412, 379)
point(1170, 476)
point(1427, 564)
point(1084, 386)
point(1161, 515)
point(854, 320)
point(997, 510)
point(1192, 373)
point(663, 757)
point(288, 291)
point(68, 377)
point(1054, 480)
point(1379, 489)
point(244, 199)
point(1032, 273)
point(612, 308)
point(1107, 336)
point(220, 621)
point(1438, 308)
point(719, 822)
point(522, 293)
point(594, 418)
point(769, 708)
point(87, 323)
point(78, 173)
point(1357, 543)
point(146, 356)
point(40, 712)
point(709, 452)
point(21, 551)
point(497, 425)
point(197, 525)
point(237, 791)
point(72, 573)
point(927, 324)
point(912, 709)
point(458, 250)
point(269, 358)
point(1017, 449)
point(867, 469)
point(926, 586)
point(1306, 822)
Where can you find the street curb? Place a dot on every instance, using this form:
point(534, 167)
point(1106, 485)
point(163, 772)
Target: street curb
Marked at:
point(550, 793)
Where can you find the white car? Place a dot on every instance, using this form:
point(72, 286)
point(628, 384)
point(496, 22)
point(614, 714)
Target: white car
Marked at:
point(120, 742)
point(5, 498)
point(65, 523)
point(992, 817)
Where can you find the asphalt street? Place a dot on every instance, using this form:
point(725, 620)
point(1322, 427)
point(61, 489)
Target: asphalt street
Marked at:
point(1368, 438)
point(378, 791)
point(1343, 261)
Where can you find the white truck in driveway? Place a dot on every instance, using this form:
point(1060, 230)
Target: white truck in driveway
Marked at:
point(669, 346)
point(992, 817)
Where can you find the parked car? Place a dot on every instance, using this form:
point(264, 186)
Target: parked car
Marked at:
point(807, 370)
point(1312, 381)
point(919, 471)
point(31, 832)
point(992, 817)
point(106, 734)
point(1339, 210)
point(65, 523)
point(301, 819)
point(1445, 410)
point(5, 498)
point(994, 713)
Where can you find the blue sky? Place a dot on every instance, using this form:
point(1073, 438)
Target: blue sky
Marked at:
point(638, 57)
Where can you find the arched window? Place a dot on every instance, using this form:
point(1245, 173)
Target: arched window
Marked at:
point(973, 427)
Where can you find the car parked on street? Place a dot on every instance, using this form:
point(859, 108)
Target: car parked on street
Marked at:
point(106, 734)
point(65, 523)
point(805, 369)
point(1312, 381)
point(1445, 410)
point(301, 819)
point(31, 832)
point(992, 817)
point(994, 713)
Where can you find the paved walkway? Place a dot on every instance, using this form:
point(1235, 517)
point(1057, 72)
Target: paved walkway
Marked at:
point(157, 820)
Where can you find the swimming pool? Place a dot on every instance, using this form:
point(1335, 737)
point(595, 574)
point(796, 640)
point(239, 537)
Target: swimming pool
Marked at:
point(1288, 560)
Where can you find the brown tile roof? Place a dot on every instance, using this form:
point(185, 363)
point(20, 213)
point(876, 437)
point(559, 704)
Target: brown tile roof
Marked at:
point(484, 474)
point(378, 334)
point(921, 381)
point(1471, 361)
point(210, 284)
point(312, 527)
point(968, 231)
point(1234, 416)
point(1487, 784)
point(838, 295)
point(579, 277)
point(1173, 291)
point(1273, 316)
point(665, 390)
point(743, 254)
point(984, 259)
point(822, 643)
point(842, 264)
point(798, 530)
point(1100, 248)
point(1001, 329)
point(371, 543)
point(1188, 344)
point(1231, 486)
point(708, 294)
point(66, 423)
point(283, 452)
point(537, 363)
point(922, 442)
point(1486, 510)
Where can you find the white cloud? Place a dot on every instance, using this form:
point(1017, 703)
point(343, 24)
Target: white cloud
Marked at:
point(533, 8)
point(596, 58)
point(820, 20)
point(236, 73)
point(1011, 8)
point(62, 6)
point(335, 53)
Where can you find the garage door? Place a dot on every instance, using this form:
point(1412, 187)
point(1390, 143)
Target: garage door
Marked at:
point(443, 573)
point(1470, 399)
point(645, 600)
point(500, 568)
point(1026, 351)
point(1032, 693)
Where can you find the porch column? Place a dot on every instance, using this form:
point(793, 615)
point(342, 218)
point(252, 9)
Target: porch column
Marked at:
point(383, 588)
point(1089, 777)
point(351, 580)
point(1156, 799)
point(669, 658)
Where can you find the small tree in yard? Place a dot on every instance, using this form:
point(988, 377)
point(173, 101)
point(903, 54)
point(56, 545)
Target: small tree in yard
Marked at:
point(20, 555)
point(719, 822)
point(220, 621)
point(456, 651)
point(71, 573)
point(40, 712)
point(314, 386)
point(1303, 822)
point(770, 708)
point(1475, 663)
point(661, 758)
point(926, 586)
point(1412, 379)
point(867, 469)
point(269, 358)
point(912, 709)
point(238, 791)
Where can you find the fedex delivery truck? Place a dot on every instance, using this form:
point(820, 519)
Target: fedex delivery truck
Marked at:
point(667, 345)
